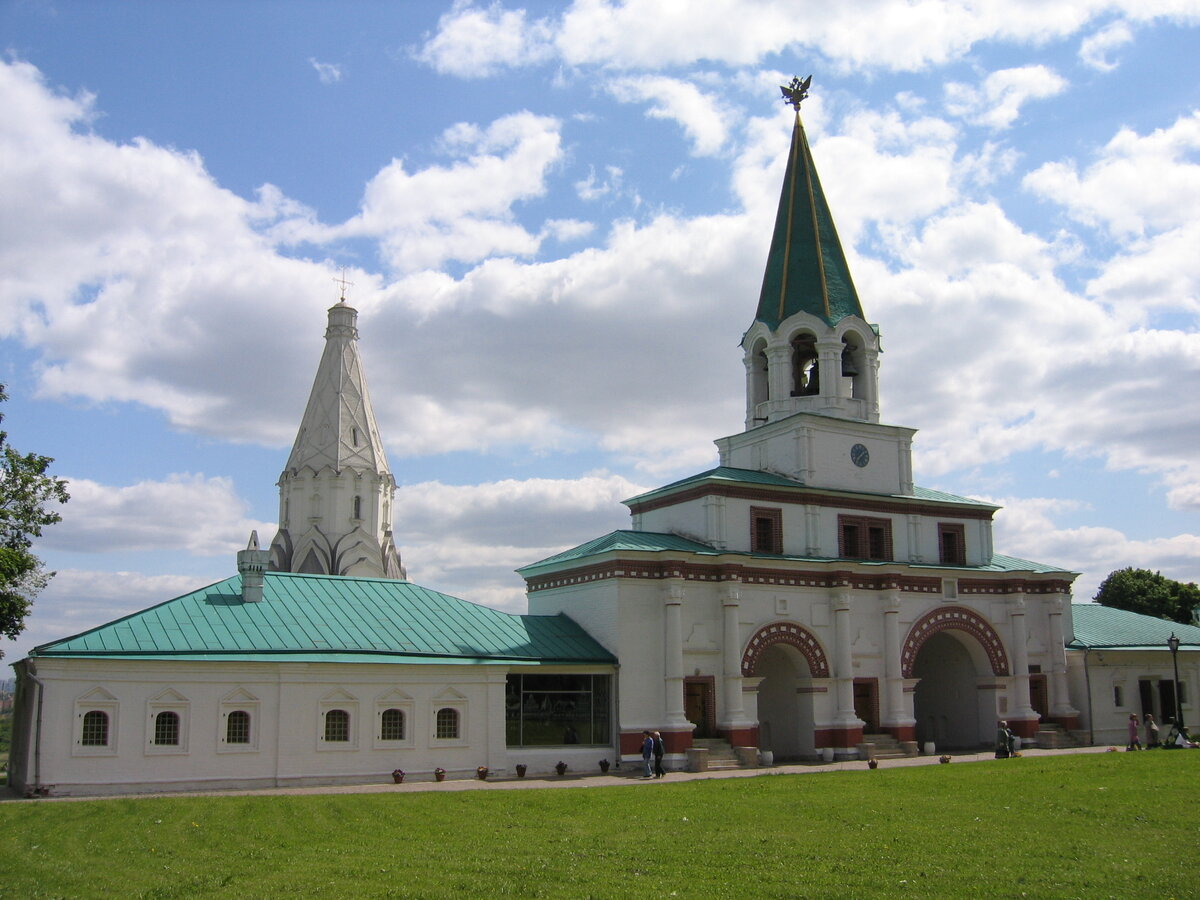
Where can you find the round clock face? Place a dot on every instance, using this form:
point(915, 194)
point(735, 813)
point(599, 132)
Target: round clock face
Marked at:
point(859, 455)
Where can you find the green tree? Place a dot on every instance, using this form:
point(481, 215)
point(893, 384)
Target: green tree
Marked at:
point(1149, 593)
point(26, 497)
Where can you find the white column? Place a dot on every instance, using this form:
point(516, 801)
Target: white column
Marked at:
point(843, 663)
point(1060, 700)
point(894, 711)
point(1018, 698)
point(731, 651)
point(673, 654)
point(779, 373)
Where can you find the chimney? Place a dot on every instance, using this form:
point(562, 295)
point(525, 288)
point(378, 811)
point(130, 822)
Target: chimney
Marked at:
point(252, 563)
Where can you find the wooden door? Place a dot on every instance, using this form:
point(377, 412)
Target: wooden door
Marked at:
point(698, 706)
point(866, 703)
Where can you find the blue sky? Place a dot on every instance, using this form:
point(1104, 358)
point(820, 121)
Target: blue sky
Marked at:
point(556, 217)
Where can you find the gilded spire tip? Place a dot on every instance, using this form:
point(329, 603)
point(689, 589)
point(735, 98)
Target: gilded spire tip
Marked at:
point(796, 93)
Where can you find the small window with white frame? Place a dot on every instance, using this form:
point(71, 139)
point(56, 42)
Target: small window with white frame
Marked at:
point(95, 724)
point(393, 720)
point(167, 723)
point(239, 722)
point(338, 723)
point(449, 725)
point(1118, 696)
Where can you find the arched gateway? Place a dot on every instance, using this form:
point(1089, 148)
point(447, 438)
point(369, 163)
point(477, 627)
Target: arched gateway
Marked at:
point(787, 657)
point(957, 660)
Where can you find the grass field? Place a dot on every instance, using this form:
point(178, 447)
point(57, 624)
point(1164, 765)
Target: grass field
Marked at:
point(1102, 825)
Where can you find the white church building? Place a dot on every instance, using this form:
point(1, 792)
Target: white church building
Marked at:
point(802, 599)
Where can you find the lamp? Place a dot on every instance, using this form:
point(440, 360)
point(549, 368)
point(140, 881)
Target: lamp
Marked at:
point(1173, 646)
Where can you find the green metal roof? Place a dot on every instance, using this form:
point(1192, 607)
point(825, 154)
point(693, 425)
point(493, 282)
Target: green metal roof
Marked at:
point(1101, 627)
point(332, 618)
point(731, 475)
point(652, 542)
point(806, 268)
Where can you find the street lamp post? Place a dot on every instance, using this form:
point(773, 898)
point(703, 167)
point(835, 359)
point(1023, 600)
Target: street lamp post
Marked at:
point(1173, 645)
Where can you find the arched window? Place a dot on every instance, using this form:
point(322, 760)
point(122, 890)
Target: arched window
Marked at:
point(166, 729)
point(391, 726)
point(237, 727)
point(337, 726)
point(806, 380)
point(447, 724)
point(95, 729)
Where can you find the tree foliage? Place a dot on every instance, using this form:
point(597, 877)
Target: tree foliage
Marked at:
point(28, 496)
point(1149, 593)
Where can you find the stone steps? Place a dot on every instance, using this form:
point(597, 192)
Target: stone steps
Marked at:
point(721, 756)
point(884, 746)
point(1051, 736)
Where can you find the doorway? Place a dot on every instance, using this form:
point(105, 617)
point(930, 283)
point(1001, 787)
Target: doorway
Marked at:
point(947, 702)
point(866, 703)
point(699, 704)
point(1038, 696)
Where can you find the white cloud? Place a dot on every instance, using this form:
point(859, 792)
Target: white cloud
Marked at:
point(1138, 183)
point(329, 73)
point(463, 211)
point(188, 512)
point(590, 189)
point(998, 101)
point(476, 43)
point(1096, 49)
point(896, 35)
point(702, 116)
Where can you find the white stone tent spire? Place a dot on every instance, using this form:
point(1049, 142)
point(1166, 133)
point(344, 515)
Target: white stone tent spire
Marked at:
point(336, 493)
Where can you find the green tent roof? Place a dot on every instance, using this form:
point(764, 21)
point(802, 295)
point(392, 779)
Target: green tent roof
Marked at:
point(332, 618)
point(806, 268)
point(625, 541)
point(1100, 627)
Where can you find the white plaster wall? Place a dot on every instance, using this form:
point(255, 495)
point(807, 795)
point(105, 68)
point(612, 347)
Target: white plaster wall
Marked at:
point(1125, 668)
point(286, 725)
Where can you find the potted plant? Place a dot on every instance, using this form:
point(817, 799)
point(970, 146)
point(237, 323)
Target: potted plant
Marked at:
point(872, 763)
point(398, 776)
point(521, 769)
point(482, 773)
point(603, 765)
point(944, 758)
point(560, 767)
point(439, 774)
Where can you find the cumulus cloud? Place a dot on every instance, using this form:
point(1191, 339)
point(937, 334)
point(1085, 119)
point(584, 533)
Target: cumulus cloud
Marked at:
point(702, 116)
point(1096, 49)
point(476, 43)
point(187, 512)
point(997, 102)
point(646, 34)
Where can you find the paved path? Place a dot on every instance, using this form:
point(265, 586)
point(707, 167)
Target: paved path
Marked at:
point(629, 775)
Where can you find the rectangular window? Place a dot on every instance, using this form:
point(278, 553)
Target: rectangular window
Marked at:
point(860, 537)
point(557, 710)
point(952, 544)
point(766, 530)
point(1118, 697)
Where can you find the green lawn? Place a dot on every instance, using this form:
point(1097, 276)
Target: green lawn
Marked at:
point(1106, 825)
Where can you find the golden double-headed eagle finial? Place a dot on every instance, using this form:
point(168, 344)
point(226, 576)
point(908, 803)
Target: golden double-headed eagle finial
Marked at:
point(796, 92)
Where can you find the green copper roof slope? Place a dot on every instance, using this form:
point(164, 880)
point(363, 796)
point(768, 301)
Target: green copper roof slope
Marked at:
point(806, 268)
point(1102, 627)
point(315, 617)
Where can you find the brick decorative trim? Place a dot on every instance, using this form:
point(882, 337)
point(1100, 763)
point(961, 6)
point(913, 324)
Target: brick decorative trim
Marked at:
point(794, 636)
point(776, 576)
point(953, 618)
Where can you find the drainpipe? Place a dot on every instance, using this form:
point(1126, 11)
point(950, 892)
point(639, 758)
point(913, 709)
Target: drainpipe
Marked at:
point(37, 729)
point(1087, 680)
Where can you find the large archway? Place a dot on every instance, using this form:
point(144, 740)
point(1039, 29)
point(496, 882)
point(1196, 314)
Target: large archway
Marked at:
point(787, 657)
point(955, 655)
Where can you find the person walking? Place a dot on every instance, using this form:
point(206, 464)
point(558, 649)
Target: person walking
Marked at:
point(1151, 731)
point(659, 751)
point(647, 754)
point(1135, 743)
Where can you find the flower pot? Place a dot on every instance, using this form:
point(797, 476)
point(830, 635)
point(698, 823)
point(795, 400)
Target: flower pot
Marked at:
point(398, 777)
point(560, 767)
point(439, 774)
point(482, 773)
point(604, 765)
point(521, 769)
point(872, 764)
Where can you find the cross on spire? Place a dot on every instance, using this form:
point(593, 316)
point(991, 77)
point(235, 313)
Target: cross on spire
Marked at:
point(344, 284)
